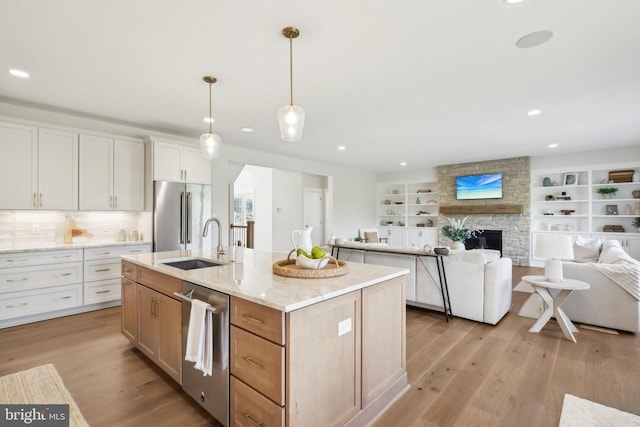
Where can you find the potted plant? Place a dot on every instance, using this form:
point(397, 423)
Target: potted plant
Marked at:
point(607, 192)
point(636, 223)
point(458, 233)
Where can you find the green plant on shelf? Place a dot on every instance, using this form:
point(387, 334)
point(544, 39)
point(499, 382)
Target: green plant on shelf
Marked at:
point(607, 192)
point(636, 222)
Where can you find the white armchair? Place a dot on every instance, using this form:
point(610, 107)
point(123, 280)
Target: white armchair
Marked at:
point(370, 235)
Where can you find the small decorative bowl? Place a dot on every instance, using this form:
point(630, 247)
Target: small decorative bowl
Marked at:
point(312, 264)
point(441, 251)
point(636, 194)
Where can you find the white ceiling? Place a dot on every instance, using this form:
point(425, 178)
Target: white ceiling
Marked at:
point(428, 82)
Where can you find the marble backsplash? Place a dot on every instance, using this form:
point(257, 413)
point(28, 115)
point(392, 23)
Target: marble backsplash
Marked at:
point(35, 228)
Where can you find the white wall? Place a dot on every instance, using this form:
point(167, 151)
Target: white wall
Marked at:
point(258, 180)
point(287, 208)
point(595, 158)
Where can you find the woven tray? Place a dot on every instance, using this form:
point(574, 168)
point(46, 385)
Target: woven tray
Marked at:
point(288, 268)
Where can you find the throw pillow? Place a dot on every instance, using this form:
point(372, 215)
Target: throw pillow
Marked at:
point(612, 253)
point(371, 237)
point(586, 249)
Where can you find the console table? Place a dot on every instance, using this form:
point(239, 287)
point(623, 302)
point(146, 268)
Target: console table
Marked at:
point(566, 288)
point(419, 257)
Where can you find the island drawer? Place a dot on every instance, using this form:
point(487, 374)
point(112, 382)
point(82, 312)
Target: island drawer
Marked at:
point(249, 408)
point(264, 321)
point(129, 270)
point(160, 282)
point(258, 363)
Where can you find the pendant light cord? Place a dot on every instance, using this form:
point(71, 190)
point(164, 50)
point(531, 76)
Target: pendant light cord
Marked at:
point(210, 114)
point(291, 68)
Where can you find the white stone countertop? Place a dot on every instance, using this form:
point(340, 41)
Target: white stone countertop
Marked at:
point(255, 281)
point(80, 244)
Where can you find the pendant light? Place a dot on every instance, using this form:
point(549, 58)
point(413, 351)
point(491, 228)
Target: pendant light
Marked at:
point(210, 142)
point(291, 117)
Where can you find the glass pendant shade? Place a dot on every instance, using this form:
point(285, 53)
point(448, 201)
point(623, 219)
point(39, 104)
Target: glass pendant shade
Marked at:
point(291, 120)
point(210, 144)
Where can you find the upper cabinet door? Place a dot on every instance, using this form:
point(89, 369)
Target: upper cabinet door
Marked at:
point(18, 166)
point(96, 173)
point(196, 168)
point(57, 170)
point(167, 162)
point(177, 163)
point(128, 175)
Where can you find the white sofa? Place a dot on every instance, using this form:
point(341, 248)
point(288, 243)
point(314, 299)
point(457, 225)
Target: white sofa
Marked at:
point(605, 303)
point(479, 281)
point(479, 285)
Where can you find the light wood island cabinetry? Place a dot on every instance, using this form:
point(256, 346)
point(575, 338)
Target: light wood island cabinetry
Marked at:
point(331, 363)
point(302, 352)
point(151, 317)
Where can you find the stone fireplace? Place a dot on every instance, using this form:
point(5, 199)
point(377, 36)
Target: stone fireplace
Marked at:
point(509, 215)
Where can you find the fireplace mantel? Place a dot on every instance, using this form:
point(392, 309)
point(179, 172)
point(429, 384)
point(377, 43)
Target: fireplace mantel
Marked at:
point(481, 209)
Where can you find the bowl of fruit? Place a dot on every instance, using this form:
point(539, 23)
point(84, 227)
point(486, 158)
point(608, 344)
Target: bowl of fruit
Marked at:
point(315, 260)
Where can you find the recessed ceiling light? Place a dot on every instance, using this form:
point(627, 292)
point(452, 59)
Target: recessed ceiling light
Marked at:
point(533, 112)
point(247, 130)
point(534, 39)
point(403, 163)
point(209, 120)
point(342, 148)
point(553, 145)
point(510, 2)
point(19, 73)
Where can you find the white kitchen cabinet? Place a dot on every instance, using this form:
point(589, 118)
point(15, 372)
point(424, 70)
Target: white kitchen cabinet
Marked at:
point(41, 166)
point(18, 165)
point(102, 269)
point(111, 174)
point(179, 163)
point(37, 283)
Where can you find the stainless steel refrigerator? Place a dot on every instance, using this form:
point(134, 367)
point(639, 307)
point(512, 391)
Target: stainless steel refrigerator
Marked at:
point(179, 213)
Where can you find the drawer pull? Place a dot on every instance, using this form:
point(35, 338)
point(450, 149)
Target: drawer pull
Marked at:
point(18, 305)
point(102, 270)
point(103, 292)
point(126, 270)
point(135, 250)
point(253, 319)
point(62, 256)
point(24, 279)
point(253, 362)
point(62, 275)
point(103, 253)
point(253, 421)
point(61, 298)
point(18, 260)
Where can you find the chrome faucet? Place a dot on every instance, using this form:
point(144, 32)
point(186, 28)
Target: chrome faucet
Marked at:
point(219, 248)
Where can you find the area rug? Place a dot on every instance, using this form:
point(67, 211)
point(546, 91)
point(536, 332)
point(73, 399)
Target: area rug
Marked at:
point(39, 385)
point(578, 412)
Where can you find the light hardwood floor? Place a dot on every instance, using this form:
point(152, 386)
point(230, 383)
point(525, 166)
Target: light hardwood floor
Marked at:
point(462, 373)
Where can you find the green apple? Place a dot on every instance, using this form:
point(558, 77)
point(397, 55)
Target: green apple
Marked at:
point(317, 252)
point(301, 251)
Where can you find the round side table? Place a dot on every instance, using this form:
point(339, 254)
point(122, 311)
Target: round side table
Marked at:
point(566, 287)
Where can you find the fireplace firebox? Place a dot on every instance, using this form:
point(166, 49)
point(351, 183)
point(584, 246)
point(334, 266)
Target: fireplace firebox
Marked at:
point(488, 239)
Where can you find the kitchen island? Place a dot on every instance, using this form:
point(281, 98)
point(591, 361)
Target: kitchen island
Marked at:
point(303, 352)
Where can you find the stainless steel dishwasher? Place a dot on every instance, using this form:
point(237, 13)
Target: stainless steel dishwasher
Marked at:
point(211, 392)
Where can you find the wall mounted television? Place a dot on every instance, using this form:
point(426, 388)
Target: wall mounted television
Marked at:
point(470, 187)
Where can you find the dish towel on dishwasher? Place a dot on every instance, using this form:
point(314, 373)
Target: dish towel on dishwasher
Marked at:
point(200, 337)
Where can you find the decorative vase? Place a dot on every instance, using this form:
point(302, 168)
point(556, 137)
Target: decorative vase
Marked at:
point(546, 182)
point(457, 245)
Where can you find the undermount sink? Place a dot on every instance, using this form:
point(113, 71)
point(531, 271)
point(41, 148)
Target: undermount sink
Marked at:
point(194, 263)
